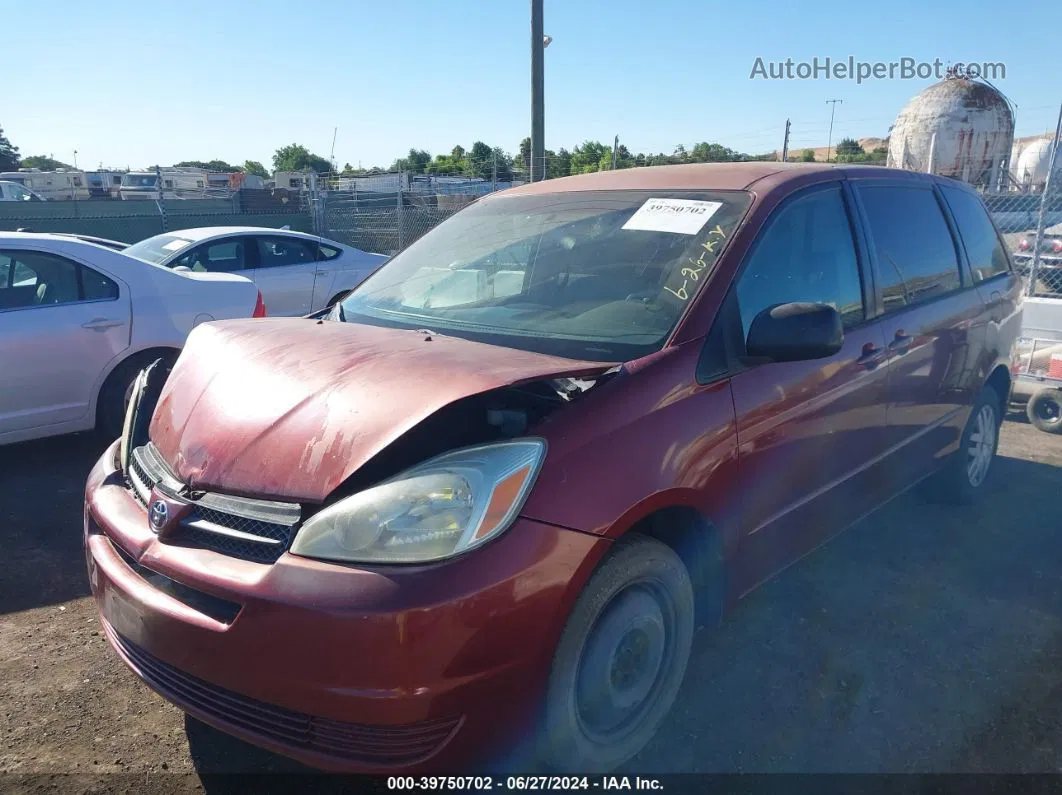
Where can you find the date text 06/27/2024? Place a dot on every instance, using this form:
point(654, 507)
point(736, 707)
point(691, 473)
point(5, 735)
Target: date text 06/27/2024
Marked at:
point(521, 783)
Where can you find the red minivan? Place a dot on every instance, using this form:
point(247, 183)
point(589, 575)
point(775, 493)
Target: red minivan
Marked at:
point(484, 501)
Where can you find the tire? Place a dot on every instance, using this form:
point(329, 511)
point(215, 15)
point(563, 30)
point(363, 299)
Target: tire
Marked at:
point(620, 660)
point(964, 476)
point(114, 395)
point(1044, 410)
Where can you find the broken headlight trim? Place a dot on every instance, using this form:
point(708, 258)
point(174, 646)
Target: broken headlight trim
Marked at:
point(434, 511)
point(125, 445)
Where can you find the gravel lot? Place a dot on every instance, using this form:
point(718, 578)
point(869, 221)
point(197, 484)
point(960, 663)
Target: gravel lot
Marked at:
point(924, 639)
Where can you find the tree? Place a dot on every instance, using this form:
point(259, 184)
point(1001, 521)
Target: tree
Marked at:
point(255, 168)
point(208, 165)
point(705, 152)
point(848, 147)
point(8, 153)
point(808, 156)
point(416, 162)
point(588, 157)
point(559, 164)
point(525, 155)
point(296, 157)
point(42, 162)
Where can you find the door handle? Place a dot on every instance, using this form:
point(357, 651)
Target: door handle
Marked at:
point(871, 356)
point(322, 273)
point(102, 323)
point(901, 343)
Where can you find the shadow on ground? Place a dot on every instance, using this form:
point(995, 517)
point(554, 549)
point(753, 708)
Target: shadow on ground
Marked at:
point(41, 507)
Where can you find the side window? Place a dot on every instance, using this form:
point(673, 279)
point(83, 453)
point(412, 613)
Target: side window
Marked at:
point(985, 250)
point(327, 252)
point(915, 249)
point(36, 278)
point(807, 254)
point(274, 251)
point(97, 287)
point(224, 256)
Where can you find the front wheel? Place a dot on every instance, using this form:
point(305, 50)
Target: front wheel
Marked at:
point(620, 660)
point(1045, 410)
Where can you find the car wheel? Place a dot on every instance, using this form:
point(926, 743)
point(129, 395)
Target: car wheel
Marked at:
point(620, 660)
point(114, 396)
point(965, 474)
point(1045, 410)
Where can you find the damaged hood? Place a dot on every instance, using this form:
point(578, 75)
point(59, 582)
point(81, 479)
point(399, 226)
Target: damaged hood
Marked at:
point(290, 408)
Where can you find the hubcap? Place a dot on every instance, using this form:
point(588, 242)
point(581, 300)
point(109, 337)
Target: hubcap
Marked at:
point(1049, 411)
point(982, 445)
point(622, 663)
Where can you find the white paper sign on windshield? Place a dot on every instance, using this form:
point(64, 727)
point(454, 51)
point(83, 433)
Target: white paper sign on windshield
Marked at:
point(681, 216)
point(175, 245)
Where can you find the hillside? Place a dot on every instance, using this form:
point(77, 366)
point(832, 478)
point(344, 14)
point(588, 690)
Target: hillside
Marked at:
point(869, 144)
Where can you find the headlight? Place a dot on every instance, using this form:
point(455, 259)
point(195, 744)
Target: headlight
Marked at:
point(435, 510)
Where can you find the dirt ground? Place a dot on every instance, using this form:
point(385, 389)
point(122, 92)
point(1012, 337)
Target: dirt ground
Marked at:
point(924, 639)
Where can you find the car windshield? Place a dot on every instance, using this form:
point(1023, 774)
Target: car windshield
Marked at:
point(139, 181)
point(597, 275)
point(157, 249)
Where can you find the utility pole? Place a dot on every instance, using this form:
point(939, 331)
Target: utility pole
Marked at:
point(538, 46)
point(1042, 219)
point(75, 160)
point(332, 154)
point(785, 143)
point(615, 149)
point(829, 143)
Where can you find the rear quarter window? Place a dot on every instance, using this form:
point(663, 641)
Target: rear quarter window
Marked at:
point(984, 249)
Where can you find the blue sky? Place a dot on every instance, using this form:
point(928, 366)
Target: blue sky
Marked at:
point(132, 83)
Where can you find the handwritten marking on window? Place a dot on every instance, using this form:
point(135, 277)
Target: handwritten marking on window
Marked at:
point(696, 268)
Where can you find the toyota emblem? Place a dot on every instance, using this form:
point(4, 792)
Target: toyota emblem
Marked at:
point(160, 512)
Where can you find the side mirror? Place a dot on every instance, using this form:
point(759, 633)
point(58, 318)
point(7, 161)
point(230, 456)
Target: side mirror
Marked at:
point(795, 332)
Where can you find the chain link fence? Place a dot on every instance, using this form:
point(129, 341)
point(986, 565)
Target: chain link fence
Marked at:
point(132, 221)
point(384, 213)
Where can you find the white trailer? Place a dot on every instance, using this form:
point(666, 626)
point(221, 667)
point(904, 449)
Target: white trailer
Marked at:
point(176, 183)
point(59, 185)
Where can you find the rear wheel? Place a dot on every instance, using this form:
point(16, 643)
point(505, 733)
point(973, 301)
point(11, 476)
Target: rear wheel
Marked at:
point(620, 660)
point(1045, 410)
point(964, 476)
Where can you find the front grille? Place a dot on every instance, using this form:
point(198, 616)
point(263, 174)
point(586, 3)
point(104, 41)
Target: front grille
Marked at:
point(352, 742)
point(254, 530)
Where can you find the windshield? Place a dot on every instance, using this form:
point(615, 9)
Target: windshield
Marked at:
point(600, 275)
point(139, 181)
point(157, 249)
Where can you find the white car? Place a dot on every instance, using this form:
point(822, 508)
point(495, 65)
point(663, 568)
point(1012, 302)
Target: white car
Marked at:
point(13, 192)
point(297, 273)
point(79, 321)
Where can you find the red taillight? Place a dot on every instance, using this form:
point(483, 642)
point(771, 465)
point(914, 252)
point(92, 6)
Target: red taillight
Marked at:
point(1023, 245)
point(259, 306)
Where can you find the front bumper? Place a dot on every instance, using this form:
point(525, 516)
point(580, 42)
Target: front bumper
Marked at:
point(341, 667)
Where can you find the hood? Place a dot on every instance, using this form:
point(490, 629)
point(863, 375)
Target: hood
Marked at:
point(290, 408)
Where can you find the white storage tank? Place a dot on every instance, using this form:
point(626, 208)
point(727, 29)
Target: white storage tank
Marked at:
point(957, 128)
point(1033, 164)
